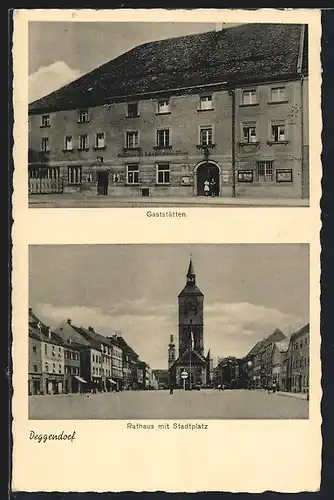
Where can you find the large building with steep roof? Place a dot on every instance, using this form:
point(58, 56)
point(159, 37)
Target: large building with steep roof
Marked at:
point(161, 119)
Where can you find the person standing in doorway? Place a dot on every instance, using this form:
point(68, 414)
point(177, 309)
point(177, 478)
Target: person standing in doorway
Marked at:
point(213, 187)
point(206, 187)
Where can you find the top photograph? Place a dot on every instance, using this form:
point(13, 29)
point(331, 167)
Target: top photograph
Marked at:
point(140, 114)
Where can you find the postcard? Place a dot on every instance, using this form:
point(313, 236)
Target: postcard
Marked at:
point(166, 252)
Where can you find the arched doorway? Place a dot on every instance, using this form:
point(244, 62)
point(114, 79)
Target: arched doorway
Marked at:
point(207, 171)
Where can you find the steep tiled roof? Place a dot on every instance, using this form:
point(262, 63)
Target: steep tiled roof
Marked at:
point(301, 331)
point(190, 289)
point(69, 333)
point(39, 330)
point(246, 53)
point(126, 348)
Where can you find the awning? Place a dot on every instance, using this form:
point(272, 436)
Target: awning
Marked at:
point(112, 381)
point(80, 379)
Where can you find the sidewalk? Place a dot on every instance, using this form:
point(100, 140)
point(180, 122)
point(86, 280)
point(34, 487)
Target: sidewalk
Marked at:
point(298, 395)
point(78, 199)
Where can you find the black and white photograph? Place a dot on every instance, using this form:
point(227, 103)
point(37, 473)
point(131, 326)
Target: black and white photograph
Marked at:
point(169, 331)
point(131, 114)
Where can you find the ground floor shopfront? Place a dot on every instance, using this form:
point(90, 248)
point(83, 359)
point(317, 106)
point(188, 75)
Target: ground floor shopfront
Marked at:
point(184, 177)
point(35, 384)
point(46, 384)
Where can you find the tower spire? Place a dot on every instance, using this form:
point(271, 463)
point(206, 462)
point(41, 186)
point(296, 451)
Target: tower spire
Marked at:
point(191, 276)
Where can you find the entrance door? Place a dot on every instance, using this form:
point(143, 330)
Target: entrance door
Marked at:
point(102, 182)
point(208, 172)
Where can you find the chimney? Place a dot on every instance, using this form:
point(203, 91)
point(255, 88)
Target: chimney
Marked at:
point(91, 329)
point(69, 321)
point(49, 332)
point(30, 309)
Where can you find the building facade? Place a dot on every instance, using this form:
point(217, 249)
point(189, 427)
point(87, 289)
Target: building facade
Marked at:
point(46, 358)
point(300, 360)
point(279, 353)
point(238, 118)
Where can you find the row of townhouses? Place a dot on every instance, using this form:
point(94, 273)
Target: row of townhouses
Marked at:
point(229, 105)
point(278, 358)
point(70, 359)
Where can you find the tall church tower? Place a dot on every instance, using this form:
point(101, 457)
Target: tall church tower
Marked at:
point(191, 301)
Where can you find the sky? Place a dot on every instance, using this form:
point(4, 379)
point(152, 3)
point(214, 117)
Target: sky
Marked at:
point(60, 52)
point(249, 291)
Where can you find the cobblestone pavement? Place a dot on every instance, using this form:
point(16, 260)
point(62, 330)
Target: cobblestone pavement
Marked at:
point(204, 404)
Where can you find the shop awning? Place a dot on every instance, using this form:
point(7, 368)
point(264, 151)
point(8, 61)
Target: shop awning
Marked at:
point(80, 379)
point(112, 381)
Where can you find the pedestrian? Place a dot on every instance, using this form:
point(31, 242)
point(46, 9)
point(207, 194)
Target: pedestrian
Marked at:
point(171, 389)
point(269, 388)
point(206, 188)
point(213, 187)
point(274, 386)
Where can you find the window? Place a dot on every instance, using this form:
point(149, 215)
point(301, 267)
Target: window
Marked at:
point(205, 102)
point(35, 368)
point(94, 369)
point(163, 173)
point(68, 143)
point(45, 144)
point(249, 97)
point(100, 140)
point(45, 121)
point(132, 140)
point(265, 170)
point(278, 133)
point(34, 350)
point(278, 94)
point(132, 174)
point(59, 368)
point(93, 358)
point(83, 141)
point(163, 138)
point(74, 175)
point(46, 367)
point(206, 136)
point(249, 133)
point(163, 106)
point(45, 348)
point(133, 109)
point(83, 116)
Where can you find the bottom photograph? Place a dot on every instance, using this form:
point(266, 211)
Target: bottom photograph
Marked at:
point(168, 331)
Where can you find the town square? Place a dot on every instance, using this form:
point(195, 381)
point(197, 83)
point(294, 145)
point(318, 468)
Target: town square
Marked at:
point(167, 341)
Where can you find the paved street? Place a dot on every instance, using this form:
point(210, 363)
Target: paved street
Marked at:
point(205, 404)
point(81, 201)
